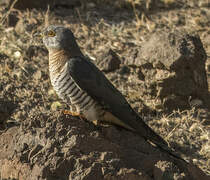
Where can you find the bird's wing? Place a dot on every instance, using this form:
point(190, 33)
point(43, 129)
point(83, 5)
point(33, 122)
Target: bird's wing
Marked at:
point(90, 79)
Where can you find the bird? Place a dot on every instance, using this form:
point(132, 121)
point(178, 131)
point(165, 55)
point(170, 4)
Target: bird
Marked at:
point(86, 90)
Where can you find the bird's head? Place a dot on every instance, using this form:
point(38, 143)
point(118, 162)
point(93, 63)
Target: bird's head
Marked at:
point(59, 38)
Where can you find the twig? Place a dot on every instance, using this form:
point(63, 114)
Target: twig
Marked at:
point(46, 17)
point(8, 12)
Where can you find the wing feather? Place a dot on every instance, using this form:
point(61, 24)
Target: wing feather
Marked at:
point(90, 79)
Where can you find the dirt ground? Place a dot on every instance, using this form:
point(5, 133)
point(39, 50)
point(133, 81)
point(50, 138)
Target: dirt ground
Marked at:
point(31, 121)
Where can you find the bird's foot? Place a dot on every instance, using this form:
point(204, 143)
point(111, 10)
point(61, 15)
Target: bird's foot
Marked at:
point(73, 113)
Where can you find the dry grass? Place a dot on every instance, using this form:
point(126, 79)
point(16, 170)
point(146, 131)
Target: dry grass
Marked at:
point(186, 133)
point(5, 16)
point(183, 130)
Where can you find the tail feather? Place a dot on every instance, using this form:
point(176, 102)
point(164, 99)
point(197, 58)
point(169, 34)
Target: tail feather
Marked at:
point(142, 129)
point(145, 131)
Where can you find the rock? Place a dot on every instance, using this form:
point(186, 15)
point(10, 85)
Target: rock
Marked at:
point(37, 75)
point(131, 174)
point(196, 103)
point(70, 148)
point(173, 64)
point(25, 4)
point(14, 169)
point(124, 70)
point(40, 4)
point(7, 144)
point(12, 19)
point(109, 61)
point(6, 109)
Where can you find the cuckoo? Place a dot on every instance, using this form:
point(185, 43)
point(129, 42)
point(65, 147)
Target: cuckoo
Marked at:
point(86, 89)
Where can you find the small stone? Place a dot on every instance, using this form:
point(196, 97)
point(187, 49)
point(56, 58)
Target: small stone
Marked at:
point(17, 54)
point(37, 75)
point(12, 20)
point(124, 70)
point(109, 61)
point(55, 105)
point(196, 103)
point(195, 160)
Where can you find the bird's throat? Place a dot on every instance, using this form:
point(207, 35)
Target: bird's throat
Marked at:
point(57, 60)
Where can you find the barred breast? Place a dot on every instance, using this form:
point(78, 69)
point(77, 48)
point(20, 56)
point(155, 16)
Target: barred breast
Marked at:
point(76, 98)
point(68, 90)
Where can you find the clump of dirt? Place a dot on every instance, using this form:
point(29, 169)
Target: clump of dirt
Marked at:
point(38, 142)
point(69, 148)
point(173, 66)
point(109, 61)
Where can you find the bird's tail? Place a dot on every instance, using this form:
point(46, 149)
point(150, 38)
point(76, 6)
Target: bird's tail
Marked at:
point(145, 131)
point(139, 127)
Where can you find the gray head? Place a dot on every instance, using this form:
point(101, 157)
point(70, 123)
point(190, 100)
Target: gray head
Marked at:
point(60, 38)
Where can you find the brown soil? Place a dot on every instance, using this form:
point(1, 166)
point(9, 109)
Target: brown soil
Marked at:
point(38, 142)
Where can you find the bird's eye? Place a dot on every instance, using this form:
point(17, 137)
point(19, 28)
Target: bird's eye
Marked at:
point(51, 33)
